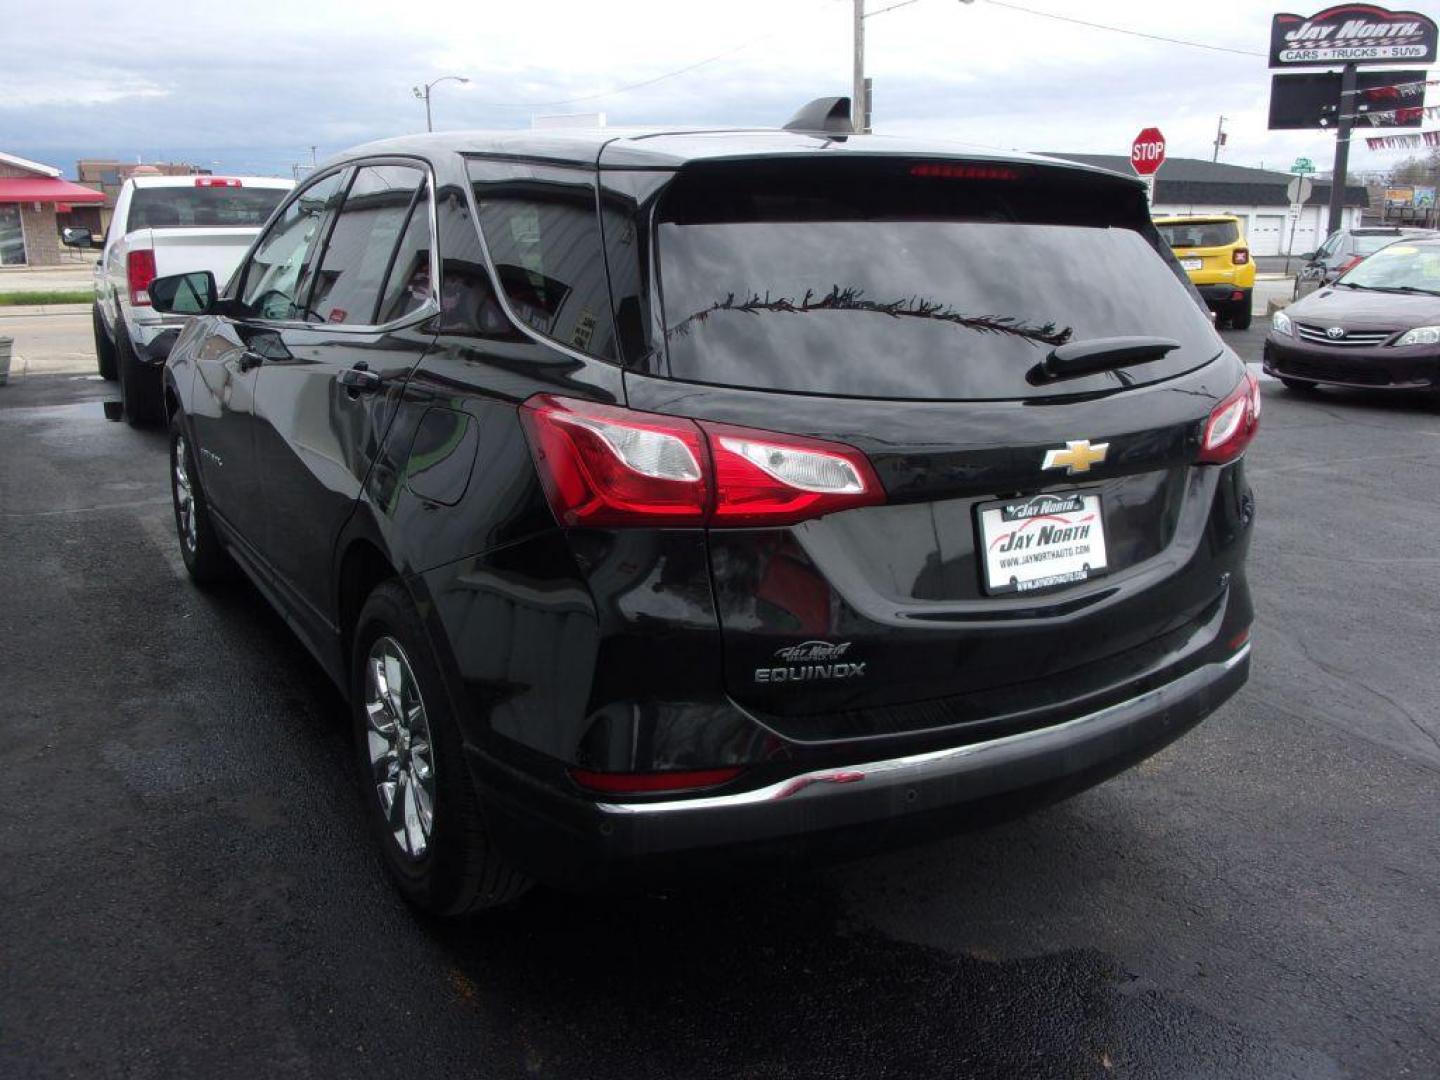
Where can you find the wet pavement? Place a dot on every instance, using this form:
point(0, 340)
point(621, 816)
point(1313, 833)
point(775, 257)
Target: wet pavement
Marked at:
point(188, 888)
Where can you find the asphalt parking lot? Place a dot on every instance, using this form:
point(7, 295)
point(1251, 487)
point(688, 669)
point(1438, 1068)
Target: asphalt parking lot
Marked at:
point(188, 888)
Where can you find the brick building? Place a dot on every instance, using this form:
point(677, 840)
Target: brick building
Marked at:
point(30, 195)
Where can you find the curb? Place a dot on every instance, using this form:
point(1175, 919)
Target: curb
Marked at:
point(15, 311)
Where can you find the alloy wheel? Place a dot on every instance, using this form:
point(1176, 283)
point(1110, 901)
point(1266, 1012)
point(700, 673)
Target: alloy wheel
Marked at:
point(402, 763)
point(184, 495)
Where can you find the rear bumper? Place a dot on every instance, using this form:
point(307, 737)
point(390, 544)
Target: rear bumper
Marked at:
point(1381, 367)
point(1224, 293)
point(576, 841)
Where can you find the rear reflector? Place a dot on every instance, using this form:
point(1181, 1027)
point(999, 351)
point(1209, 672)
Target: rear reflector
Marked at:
point(216, 181)
point(139, 273)
point(948, 171)
point(1232, 423)
point(612, 783)
point(605, 466)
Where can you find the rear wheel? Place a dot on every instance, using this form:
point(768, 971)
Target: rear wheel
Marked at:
point(140, 389)
point(104, 347)
point(205, 559)
point(420, 801)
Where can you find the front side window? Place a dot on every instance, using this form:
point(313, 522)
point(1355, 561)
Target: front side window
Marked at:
point(362, 245)
point(275, 278)
point(543, 233)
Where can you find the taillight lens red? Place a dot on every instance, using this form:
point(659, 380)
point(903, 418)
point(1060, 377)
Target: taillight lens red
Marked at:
point(611, 467)
point(139, 273)
point(1240, 256)
point(217, 181)
point(1232, 424)
point(648, 783)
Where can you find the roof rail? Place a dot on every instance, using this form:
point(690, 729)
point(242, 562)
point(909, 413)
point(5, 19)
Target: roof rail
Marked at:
point(823, 116)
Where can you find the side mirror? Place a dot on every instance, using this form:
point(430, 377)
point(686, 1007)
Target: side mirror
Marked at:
point(184, 294)
point(77, 237)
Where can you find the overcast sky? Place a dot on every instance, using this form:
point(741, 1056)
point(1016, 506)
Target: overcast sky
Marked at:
point(250, 86)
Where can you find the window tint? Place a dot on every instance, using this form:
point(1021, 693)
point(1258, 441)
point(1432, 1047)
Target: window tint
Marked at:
point(891, 280)
point(359, 248)
point(408, 284)
point(202, 207)
point(274, 277)
point(543, 234)
point(1200, 234)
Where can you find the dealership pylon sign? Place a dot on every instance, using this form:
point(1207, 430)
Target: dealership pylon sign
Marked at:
point(1352, 34)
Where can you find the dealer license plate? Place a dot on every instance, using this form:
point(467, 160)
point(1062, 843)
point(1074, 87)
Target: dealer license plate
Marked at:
point(1042, 542)
point(1192, 264)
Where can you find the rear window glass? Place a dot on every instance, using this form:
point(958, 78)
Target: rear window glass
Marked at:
point(1200, 234)
point(202, 207)
point(873, 282)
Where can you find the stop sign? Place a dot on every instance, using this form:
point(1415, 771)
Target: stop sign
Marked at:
point(1147, 152)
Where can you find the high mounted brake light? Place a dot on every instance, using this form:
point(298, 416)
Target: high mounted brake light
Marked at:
point(949, 171)
point(1232, 424)
point(606, 466)
point(217, 181)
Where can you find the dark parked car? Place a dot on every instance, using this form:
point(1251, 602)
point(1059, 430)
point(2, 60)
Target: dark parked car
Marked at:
point(1378, 326)
point(658, 498)
point(1342, 250)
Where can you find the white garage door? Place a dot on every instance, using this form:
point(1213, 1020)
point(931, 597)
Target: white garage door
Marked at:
point(1266, 234)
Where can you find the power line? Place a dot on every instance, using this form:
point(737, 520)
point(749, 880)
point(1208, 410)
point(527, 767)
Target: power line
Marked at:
point(1123, 30)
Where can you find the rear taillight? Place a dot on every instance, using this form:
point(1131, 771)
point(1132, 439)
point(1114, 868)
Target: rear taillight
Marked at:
point(611, 467)
point(612, 783)
point(1232, 423)
point(216, 181)
point(1240, 256)
point(139, 273)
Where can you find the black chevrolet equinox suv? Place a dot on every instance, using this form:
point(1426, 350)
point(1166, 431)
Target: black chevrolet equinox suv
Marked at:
point(664, 498)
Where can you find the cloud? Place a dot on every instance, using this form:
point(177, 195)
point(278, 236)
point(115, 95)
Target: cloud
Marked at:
point(253, 86)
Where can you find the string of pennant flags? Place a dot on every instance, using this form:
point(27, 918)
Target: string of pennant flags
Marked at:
point(1404, 142)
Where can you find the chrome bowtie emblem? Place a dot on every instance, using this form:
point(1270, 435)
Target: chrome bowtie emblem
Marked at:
point(1077, 457)
point(1335, 333)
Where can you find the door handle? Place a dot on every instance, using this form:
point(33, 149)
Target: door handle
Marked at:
point(360, 379)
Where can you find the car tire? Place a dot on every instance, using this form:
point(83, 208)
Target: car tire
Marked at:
point(1241, 314)
point(206, 559)
point(1297, 386)
point(140, 390)
point(104, 347)
point(409, 752)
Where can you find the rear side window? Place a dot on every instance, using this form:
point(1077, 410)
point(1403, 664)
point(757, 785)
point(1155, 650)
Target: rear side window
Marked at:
point(359, 250)
point(202, 207)
point(906, 280)
point(541, 228)
point(1200, 234)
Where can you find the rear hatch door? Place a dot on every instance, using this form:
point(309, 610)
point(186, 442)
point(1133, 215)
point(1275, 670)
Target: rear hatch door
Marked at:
point(1039, 536)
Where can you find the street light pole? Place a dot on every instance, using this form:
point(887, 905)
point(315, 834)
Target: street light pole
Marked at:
point(424, 94)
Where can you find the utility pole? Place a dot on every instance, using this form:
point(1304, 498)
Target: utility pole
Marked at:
point(424, 94)
point(1219, 139)
point(857, 95)
point(860, 111)
point(1342, 147)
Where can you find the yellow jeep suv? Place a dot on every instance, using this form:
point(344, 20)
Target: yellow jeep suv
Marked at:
point(1213, 252)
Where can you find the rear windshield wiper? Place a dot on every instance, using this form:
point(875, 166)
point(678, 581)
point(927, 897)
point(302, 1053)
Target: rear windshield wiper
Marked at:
point(1102, 354)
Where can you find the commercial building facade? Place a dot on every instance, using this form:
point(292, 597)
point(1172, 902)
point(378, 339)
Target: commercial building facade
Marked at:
point(31, 194)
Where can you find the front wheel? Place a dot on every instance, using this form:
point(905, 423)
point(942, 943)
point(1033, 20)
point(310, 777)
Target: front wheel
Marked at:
point(205, 559)
point(422, 805)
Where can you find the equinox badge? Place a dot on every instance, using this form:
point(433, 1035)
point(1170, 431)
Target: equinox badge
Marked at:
point(801, 663)
point(1077, 457)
